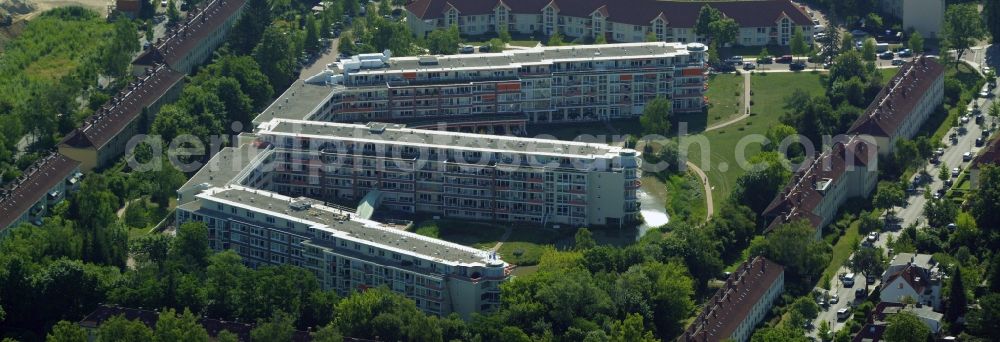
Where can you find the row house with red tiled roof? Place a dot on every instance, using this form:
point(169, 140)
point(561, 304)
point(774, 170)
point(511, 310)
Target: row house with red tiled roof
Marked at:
point(903, 105)
point(43, 185)
point(159, 74)
point(761, 22)
point(823, 184)
point(740, 305)
point(850, 169)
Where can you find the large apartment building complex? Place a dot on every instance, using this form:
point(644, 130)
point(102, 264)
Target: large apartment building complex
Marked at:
point(761, 22)
point(456, 175)
point(499, 92)
point(345, 252)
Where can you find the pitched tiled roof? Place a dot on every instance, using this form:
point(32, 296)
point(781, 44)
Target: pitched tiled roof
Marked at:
point(115, 115)
point(33, 185)
point(731, 304)
point(799, 199)
point(914, 276)
point(748, 13)
point(988, 155)
point(898, 98)
point(199, 23)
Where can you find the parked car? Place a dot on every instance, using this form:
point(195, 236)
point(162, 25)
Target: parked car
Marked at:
point(955, 171)
point(835, 299)
point(796, 66)
point(735, 60)
point(859, 33)
point(484, 48)
point(843, 313)
point(980, 141)
point(467, 49)
point(967, 156)
point(749, 66)
point(939, 151)
point(765, 60)
point(785, 59)
point(905, 53)
point(898, 62)
point(887, 55)
point(848, 280)
point(873, 236)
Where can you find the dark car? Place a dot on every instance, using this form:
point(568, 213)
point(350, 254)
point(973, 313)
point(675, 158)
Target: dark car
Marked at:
point(484, 48)
point(797, 66)
point(980, 141)
point(785, 59)
point(905, 53)
point(765, 60)
point(887, 55)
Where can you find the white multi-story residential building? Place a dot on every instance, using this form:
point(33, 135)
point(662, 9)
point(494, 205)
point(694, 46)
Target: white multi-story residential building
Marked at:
point(453, 174)
point(348, 253)
point(924, 16)
point(43, 185)
point(500, 92)
point(740, 305)
point(761, 22)
point(903, 105)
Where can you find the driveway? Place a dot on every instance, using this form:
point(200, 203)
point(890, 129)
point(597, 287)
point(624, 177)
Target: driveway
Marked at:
point(327, 56)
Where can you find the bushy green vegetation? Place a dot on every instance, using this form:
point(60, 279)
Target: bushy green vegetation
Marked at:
point(56, 60)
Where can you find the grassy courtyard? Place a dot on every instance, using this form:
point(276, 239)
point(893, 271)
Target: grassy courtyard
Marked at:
point(523, 247)
point(720, 158)
point(725, 97)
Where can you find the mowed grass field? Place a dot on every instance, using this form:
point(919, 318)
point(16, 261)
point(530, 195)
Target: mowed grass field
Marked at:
point(725, 97)
point(523, 247)
point(723, 146)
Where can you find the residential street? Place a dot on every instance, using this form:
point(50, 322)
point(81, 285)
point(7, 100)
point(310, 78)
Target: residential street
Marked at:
point(913, 211)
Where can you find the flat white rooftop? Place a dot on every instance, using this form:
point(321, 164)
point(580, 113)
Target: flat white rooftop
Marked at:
point(394, 134)
point(345, 225)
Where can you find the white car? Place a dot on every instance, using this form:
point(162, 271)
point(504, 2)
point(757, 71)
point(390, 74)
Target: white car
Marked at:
point(163, 3)
point(873, 236)
point(955, 171)
point(967, 156)
point(835, 299)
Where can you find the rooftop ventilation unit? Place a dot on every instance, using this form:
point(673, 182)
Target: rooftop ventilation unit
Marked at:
point(300, 204)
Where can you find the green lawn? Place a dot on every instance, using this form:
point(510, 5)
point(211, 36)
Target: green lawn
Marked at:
point(725, 97)
point(479, 235)
point(842, 250)
point(524, 246)
point(770, 91)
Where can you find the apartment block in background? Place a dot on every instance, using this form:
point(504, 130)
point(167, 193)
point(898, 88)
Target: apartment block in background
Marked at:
point(346, 252)
point(924, 16)
point(499, 93)
point(761, 22)
point(43, 185)
point(740, 305)
point(456, 175)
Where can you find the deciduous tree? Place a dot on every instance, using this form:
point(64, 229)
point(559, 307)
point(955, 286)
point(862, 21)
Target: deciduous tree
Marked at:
point(962, 27)
point(656, 116)
point(906, 327)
